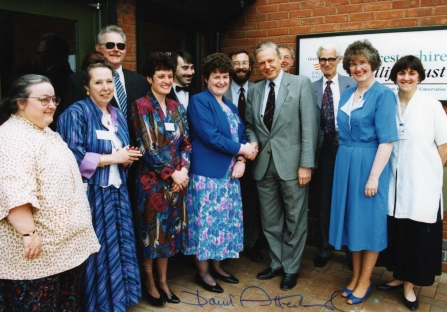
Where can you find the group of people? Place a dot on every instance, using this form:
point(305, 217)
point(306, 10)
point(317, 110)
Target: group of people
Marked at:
point(139, 170)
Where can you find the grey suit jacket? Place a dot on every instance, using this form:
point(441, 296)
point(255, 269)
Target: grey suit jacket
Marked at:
point(229, 94)
point(344, 82)
point(293, 138)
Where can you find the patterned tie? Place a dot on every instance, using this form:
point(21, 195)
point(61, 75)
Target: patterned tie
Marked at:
point(241, 104)
point(122, 97)
point(270, 107)
point(327, 113)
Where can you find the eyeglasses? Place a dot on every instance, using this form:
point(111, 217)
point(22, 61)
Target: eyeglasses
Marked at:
point(363, 64)
point(331, 60)
point(244, 63)
point(45, 101)
point(111, 45)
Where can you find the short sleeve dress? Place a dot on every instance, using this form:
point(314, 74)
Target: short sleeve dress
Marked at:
point(357, 221)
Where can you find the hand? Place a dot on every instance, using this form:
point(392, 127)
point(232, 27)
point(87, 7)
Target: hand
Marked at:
point(175, 188)
point(246, 149)
point(304, 175)
point(238, 170)
point(372, 186)
point(126, 155)
point(180, 178)
point(32, 245)
point(255, 151)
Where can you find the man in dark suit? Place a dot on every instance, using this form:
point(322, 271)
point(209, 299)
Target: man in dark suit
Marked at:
point(184, 72)
point(327, 90)
point(237, 93)
point(281, 117)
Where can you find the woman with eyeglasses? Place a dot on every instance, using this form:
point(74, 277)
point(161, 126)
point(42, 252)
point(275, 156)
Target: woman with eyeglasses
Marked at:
point(46, 231)
point(98, 136)
point(367, 128)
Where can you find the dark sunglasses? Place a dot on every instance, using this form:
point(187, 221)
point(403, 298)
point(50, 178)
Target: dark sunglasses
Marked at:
point(111, 45)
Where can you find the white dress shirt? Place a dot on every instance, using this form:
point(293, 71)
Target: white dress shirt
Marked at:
point(183, 96)
point(236, 90)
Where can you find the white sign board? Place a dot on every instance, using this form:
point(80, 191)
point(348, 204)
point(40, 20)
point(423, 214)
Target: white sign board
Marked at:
point(428, 44)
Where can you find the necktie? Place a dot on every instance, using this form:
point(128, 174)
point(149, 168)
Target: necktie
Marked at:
point(122, 97)
point(327, 113)
point(241, 104)
point(270, 107)
point(179, 88)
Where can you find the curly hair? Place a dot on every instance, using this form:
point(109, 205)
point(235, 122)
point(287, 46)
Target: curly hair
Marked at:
point(158, 61)
point(364, 48)
point(408, 62)
point(215, 61)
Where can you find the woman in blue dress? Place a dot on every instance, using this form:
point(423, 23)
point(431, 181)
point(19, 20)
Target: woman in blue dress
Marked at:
point(97, 135)
point(214, 198)
point(367, 125)
point(162, 134)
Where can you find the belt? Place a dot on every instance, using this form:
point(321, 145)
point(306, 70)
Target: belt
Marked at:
point(374, 144)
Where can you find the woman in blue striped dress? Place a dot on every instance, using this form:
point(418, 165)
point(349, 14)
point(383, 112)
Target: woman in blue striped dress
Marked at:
point(98, 136)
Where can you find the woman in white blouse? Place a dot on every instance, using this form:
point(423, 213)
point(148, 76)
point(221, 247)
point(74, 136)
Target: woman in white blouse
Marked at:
point(416, 176)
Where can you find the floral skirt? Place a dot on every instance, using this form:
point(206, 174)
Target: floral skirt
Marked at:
point(215, 217)
point(59, 292)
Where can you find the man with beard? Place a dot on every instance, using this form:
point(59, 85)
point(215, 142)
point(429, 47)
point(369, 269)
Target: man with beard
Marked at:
point(184, 72)
point(287, 56)
point(237, 93)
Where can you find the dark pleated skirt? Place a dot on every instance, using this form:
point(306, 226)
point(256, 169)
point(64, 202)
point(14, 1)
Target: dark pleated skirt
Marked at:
point(112, 276)
point(414, 252)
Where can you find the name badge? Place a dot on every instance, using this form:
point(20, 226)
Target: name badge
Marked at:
point(169, 126)
point(401, 134)
point(103, 135)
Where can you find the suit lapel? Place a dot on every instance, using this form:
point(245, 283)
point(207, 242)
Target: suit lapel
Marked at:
point(282, 95)
point(258, 98)
point(319, 92)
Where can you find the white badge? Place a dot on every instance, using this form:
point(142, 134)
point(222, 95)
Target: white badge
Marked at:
point(401, 134)
point(103, 135)
point(169, 126)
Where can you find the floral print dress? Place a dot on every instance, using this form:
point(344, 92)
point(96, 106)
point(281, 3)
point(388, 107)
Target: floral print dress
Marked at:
point(215, 211)
point(161, 218)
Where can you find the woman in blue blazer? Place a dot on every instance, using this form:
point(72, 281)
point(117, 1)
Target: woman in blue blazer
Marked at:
point(214, 198)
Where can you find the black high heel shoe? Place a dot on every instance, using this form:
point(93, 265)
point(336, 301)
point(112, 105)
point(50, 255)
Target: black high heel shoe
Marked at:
point(168, 298)
point(156, 302)
point(216, 288)
point(227, 279)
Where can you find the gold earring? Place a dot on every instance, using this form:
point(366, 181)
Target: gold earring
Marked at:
point(88, 92)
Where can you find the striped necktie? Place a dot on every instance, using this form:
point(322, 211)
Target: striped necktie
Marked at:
point(122, 97)
point(270, 107)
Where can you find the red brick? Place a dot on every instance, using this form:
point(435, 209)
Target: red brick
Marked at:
point(312, 20)
point(125, 9)
point(246, 26)
point(378, 6)
point(359, 1)
point(349, 26)
point(300, 30)
point(131, 57)
point(362, 16)
point(131, 38)
point(267, 24)
point(441, 20)
point(290, 6)
point(376, 24)
point(444, 267)
point(350, 8)
point(432, 2)
point(277, 31)
point(324, 11)
point(267, 8)
point(425, 21)
point(444, 235)
point(338, 2)
point(131, 48)
point(289, 22)
point(127, 19)
point(265, 39)
point(323, 28)
point(256, 17)
point(440, 10)
point(312, 3)
point(277, 15)
point(288, 39)
point(408, 22)
point(237, 34)
point(256, 33)
point(405, 4)
point(390, 14)
point(300, 13)
point(277, 1)
point(419, 12)
point(336, 19)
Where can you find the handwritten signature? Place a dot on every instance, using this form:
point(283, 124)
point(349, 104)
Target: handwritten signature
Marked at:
point(281, 302)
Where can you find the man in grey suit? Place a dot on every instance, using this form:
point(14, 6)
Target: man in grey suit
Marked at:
point(237, 93)
point(281, 120)
point(327, 90)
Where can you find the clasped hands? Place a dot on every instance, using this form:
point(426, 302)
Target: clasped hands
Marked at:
point(127, 154)
point(181, 180)
point(249, 150)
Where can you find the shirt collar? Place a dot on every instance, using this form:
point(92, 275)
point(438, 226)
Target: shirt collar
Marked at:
point(334, 80)
point(120, 71)
point(235, 87)
point(277, 80)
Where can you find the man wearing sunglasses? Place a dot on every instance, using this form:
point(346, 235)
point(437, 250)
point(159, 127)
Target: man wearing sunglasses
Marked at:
point(327, 90)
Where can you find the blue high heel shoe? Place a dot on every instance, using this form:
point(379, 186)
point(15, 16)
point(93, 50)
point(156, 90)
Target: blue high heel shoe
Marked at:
point(346, 291)
point(356, 300)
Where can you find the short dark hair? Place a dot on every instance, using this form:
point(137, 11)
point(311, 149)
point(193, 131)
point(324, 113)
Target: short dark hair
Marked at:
point(216, 61)
point(20, 90)
point(361, 48)
point(87, 75)
point(239, 51)
point(93, 57)
point(408, 62)
point(158, 61)
point(184, 55)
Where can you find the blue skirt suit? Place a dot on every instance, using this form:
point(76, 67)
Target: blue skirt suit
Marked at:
point(357, 221)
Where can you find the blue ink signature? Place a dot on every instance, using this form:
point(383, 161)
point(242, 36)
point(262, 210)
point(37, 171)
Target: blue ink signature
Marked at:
point(278, 301)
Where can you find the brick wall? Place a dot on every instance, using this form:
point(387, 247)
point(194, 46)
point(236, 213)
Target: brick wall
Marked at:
point(126, 20)
point(281, 21)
